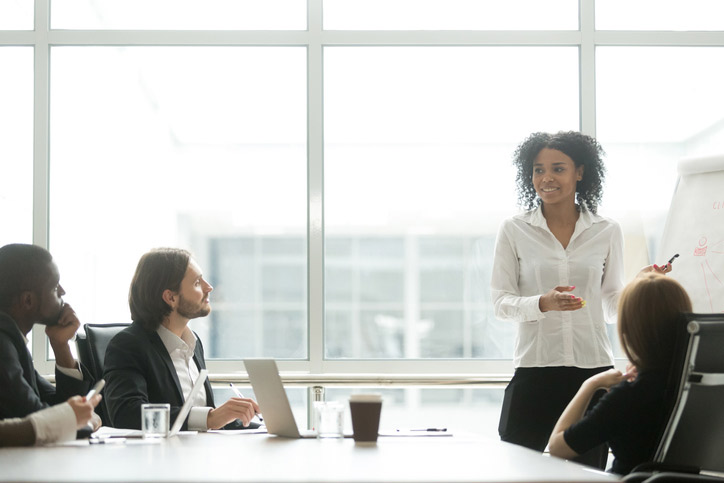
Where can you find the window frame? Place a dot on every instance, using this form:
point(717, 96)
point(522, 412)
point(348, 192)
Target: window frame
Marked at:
point(315, 39)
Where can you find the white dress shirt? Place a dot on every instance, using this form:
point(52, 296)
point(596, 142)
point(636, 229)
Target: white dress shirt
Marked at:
point(529, 261)
point(181, 350)
point(54, 424)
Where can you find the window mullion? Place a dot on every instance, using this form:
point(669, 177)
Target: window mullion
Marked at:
point(587, 67)
point(315, 188)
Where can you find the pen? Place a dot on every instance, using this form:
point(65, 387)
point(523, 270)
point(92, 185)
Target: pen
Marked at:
point(96, 389)
point(430, 429)
point(110, 440)
point(671, 260)
point(240, 395)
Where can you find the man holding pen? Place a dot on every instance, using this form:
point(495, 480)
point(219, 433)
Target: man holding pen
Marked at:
point(158, 357)
point(30, 293)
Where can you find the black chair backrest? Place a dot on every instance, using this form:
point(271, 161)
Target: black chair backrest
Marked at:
point(694, 434)
point(97, 337)
point(81, 345)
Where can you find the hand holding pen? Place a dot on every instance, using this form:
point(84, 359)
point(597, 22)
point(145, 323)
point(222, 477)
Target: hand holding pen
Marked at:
point(241, 396)
point(667, 267)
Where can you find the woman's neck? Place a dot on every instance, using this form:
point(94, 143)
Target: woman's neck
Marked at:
point(561, 213)
point(561, 221)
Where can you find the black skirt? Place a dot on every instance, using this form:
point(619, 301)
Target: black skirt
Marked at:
point(536, 398)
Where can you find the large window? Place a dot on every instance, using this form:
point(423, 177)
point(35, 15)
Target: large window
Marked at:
point(16, 15)
point(670, 15)
point(198, 147)
point(417, 178)
point(16, 144)
point(674, 109)
point(179, 15)
point(339, 168)
point(450, 15)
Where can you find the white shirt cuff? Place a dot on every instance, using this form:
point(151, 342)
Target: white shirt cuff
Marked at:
point(534, 307)
point(54, 424)
point(74, 372)
point(197, 418)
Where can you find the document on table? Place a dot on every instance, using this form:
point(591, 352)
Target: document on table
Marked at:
point(108, 432)
point(424, 432)
point(260, 430)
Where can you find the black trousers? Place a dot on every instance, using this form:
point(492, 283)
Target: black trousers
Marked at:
point(536, 398)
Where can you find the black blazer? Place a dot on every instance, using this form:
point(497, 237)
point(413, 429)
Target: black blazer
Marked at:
point(139, 370)
point(22, 389)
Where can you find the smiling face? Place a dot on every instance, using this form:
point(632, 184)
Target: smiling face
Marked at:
point(194, 293)
point(555, 176)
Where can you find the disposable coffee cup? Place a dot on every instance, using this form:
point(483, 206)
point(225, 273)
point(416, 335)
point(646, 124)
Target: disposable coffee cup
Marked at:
point(365, 410)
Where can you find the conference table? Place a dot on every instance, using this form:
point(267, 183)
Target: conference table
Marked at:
point(241, 457)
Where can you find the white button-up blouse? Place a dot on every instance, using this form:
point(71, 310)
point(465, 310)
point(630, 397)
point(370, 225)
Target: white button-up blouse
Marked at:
point(529, 261)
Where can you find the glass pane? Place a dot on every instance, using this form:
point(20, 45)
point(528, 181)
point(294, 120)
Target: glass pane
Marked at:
point(418, 176)
point(179, 15)
point(450, 15)
point(667, 107)
point(183, 147)
point(16, 145)
point(659, 15)
point(16, 14)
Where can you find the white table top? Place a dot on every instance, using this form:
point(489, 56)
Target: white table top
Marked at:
point(213, 457)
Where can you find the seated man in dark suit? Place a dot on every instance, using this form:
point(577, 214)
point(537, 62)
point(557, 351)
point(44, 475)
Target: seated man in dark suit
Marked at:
point(30, 293)
point(158, 357)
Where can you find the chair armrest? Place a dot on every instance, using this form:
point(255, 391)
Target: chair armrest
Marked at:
point(670, 477)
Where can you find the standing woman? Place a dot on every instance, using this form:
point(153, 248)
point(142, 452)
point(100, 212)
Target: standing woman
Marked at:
point(557, 273)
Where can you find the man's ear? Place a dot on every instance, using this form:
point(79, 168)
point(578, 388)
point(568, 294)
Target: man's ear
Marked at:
point(170, 297)
point(27, 300)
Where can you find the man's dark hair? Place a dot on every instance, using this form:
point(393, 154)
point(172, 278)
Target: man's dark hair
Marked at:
point(158, 270)
point(22, 268)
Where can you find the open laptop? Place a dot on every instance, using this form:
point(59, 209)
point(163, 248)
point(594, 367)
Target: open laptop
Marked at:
point(273, 400)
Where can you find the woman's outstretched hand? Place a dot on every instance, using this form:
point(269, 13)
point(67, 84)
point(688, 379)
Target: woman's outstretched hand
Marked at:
point(557, 299)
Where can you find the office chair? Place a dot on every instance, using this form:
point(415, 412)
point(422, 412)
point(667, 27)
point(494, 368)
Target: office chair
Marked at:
point(97, 338)
point(81, 346)
point(692, 440)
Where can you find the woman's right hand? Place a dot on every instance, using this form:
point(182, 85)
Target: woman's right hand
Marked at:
point(662, 269)
point(606, 379)
point(557, 300)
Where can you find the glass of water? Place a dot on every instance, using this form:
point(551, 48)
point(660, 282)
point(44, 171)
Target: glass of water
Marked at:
point(154, 420)
point(329, 418)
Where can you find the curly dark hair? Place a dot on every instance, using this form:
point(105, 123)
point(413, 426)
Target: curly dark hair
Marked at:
point(582, 149)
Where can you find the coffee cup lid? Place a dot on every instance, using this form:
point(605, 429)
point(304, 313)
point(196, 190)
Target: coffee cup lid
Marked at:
point(369, 397)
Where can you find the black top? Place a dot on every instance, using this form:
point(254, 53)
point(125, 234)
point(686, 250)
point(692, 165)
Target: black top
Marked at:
point(631, 417)
point(22, 389)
